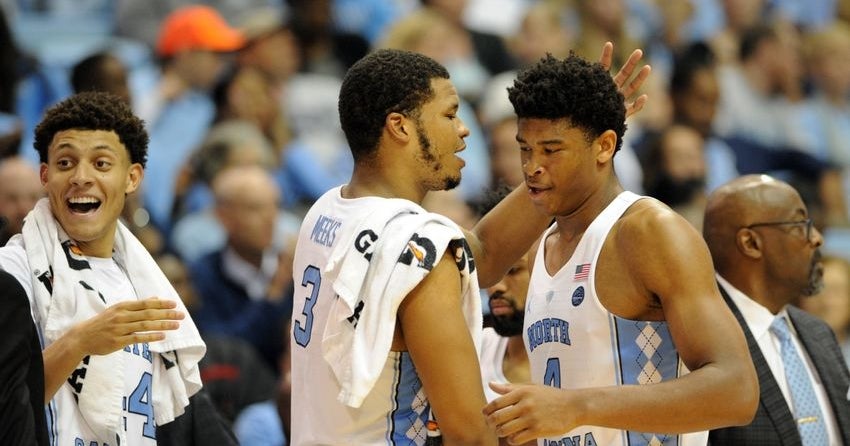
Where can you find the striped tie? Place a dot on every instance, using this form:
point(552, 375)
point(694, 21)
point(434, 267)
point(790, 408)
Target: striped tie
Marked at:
point(806, 408)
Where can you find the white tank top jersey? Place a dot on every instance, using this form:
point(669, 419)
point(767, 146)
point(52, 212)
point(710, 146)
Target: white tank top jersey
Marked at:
point(395, 412)
point(492, 359)
point(574, 342)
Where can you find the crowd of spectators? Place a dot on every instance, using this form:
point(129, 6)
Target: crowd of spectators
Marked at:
point(239, 99)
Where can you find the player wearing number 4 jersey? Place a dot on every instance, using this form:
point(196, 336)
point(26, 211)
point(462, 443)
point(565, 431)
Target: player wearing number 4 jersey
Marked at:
point(622, 295)
point(120, 355)
point(386, 311)
point(568, 327)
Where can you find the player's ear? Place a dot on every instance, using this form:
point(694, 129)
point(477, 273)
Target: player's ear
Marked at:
point(398, 127)
point(42, 173)
point(134, 178)
point(605, 145)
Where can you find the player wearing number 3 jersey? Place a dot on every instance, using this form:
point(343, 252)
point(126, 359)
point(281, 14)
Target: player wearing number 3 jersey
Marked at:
point(365, 255)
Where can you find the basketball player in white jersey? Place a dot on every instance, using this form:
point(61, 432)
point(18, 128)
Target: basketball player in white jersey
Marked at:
point(399, 113)
point(622, 300)
point(92, 151)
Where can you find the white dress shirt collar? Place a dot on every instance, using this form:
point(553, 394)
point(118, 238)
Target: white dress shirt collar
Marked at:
point(254, 281)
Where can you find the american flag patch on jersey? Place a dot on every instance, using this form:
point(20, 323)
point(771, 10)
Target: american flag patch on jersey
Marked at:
point(582, 271)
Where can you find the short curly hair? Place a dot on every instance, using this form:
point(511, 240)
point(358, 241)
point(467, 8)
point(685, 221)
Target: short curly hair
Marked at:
point(381, 83)
point(573, 89)
point(94, 110)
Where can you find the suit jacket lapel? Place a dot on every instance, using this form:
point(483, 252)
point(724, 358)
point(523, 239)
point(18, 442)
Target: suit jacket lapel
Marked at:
point(826, 357)
point(770, 395)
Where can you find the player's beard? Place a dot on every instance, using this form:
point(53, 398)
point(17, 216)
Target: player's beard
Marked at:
point(427, 155)
point(510, 325)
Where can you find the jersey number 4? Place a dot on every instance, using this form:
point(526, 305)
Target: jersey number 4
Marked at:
point(140, 403)
point(312, 277)
point(552, 376)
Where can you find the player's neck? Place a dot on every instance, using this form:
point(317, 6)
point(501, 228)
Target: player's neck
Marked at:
point(101, 247)
point(367, 182)
point(576, 222)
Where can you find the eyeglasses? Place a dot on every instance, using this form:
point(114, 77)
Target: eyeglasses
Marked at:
point(808, 222)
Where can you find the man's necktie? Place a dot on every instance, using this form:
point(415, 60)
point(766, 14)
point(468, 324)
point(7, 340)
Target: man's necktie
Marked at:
point(806, 408)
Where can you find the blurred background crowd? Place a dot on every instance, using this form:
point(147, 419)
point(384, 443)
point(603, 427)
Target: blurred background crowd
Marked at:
point(239, 98)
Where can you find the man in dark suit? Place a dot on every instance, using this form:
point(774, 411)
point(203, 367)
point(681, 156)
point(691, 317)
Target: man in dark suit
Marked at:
point(22, 418)
point(766, 254)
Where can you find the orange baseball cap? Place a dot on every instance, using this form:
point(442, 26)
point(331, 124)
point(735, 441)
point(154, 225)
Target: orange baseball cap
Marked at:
point(197, 27)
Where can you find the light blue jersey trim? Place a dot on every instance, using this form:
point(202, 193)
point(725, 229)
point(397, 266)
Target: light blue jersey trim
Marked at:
point(409, 419)
point(394, 402)
point(646, 354)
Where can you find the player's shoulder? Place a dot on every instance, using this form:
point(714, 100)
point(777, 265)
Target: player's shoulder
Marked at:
point(647, 209)
point(650, 217)
point(650, 224)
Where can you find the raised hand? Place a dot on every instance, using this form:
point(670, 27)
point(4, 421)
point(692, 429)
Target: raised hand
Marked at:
point(127, 323)
point(628, 88)
point(123, 324)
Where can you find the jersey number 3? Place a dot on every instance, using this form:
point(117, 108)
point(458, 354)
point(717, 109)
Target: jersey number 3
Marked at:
point(312, 277)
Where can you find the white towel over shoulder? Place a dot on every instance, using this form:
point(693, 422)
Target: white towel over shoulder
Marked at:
point(408, 243)
point(176, 375)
